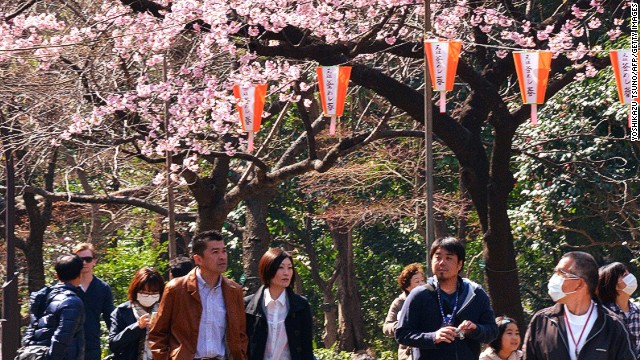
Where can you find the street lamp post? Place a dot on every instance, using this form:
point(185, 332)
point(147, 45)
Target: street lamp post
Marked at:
point(168, 162)
point(10, 311)
point(428, 141)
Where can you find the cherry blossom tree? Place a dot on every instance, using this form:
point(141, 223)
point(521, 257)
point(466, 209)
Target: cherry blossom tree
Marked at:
point(153, 78)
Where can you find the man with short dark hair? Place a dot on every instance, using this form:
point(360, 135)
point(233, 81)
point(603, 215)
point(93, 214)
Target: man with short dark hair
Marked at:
point(201, 315)
point(98, 301)
point(60, 325)
point(576, 327)
point(180, 266)
point(449, 317)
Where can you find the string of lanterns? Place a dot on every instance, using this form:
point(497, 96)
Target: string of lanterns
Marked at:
point(532, 68)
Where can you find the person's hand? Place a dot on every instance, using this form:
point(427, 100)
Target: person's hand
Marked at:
point(446, 334)
point(467, 327)
point(143, 321)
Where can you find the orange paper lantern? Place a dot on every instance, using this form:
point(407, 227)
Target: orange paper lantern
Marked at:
point(442, 58)
point(250, 103)
point(621, 62)
point(533, 72)
point(333, 82)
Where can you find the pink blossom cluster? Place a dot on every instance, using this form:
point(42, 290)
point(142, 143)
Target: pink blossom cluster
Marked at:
point(205, 44)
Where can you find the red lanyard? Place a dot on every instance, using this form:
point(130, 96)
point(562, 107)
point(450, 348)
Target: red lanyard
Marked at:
point(566, 319)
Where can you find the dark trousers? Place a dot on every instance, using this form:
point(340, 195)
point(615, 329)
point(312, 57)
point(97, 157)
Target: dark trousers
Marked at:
point(92, 354)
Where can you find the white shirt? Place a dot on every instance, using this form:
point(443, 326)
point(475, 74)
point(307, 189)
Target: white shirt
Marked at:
point(277, 343)
point(213, 321)
point(577, 323)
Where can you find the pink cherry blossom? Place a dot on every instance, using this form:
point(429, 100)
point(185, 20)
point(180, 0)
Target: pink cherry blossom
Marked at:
point(577, 32)
point(502, 54)
point(577, 12)
point(594, 23)
point(614, 33)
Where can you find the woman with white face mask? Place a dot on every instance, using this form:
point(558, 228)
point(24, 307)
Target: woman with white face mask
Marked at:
point(131, 320)
point(615, 287)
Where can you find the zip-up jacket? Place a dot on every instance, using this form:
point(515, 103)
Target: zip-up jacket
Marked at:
point(546, 337)
point(61, 325)
point(420, 318)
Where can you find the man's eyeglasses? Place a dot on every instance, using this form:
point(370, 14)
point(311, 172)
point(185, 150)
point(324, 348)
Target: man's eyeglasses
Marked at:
point(568, 275)
point(87, 259)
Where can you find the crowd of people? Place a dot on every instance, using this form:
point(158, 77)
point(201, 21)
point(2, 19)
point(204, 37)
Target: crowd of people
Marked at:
point(200, 314)
point(450, 317)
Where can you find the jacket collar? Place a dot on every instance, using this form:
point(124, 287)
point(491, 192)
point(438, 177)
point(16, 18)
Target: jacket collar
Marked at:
point(556, 315)
point(254, 306)
point(67, 286)
point(467, 287)
point(557, 310)
point(191, 283)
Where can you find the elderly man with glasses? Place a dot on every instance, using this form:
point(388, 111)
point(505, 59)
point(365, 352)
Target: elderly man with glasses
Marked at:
point(577, 326)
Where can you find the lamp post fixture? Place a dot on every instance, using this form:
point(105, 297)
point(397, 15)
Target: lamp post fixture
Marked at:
point(10, 324)
point(428, 142)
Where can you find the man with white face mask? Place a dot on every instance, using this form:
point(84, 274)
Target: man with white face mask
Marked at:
point(615, 287)
point(576, 327)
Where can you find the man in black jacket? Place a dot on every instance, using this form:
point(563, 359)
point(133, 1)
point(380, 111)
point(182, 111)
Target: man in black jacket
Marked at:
point(449, 317)
point(577, 327)
point(60, 326)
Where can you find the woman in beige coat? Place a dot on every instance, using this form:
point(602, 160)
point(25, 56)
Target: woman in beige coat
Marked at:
point(411, 277)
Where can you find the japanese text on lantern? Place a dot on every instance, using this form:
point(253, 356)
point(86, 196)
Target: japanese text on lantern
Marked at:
point(529, 74)
point(247, 95)
point(440, 63)
point(331, 87)
point(625, 65)
point(530, 77)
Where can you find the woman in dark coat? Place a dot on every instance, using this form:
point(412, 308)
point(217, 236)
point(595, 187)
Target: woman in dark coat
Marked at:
point(279, 324)
point(130, 321)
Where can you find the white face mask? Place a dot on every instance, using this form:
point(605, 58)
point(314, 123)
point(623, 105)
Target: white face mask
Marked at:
point(555, 287)
point(147, 300)
point(631, 284)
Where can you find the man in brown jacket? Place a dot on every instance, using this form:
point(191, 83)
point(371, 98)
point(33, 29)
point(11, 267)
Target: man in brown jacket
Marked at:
point(201, 315)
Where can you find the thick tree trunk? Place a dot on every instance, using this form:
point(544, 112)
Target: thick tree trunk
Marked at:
point(39, 219)
point(499, 252)
point(330, 334)
point(210, 218)
point(463, 218)
point(488, 186)
point(33, 245)
point(350, 321)
point(209, 194)
point(256, 237)
point(35, 265)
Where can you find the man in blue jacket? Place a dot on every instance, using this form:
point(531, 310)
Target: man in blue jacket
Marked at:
point(98, 301)
point(449, 317)
point(60, 325)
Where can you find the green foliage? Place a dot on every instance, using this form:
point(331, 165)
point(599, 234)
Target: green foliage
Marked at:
point(576, 173)
point(332, 354)
point(136, 248)
point(380, 254)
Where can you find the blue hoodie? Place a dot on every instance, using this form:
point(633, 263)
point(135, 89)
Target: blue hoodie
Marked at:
point(420, 318)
